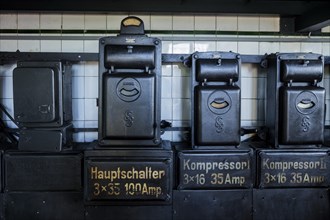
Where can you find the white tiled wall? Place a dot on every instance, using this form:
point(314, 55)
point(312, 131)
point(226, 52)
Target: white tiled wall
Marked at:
point(176, 78)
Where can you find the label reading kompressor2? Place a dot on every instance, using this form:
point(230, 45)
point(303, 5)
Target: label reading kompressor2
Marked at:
point(127, 180)
point(216, 170)
point(294, 169)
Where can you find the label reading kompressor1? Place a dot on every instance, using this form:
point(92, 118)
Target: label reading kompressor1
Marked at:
point(127, 180)
point(216, 170)
point(293, 169)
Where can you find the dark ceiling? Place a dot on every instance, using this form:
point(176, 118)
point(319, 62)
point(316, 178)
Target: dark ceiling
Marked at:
point(307, 15)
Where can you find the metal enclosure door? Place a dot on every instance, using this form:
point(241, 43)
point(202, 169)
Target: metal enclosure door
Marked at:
point(129, 106)
point(35, 94)
point(301, 115)
point(42, 94)
point(217, 120)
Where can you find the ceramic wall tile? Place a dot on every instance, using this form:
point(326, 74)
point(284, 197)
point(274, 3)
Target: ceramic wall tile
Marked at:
point(204, 46)
point(248, 23)
point(166, 111)
point(166, 87)
point(91, 124)
point(181, 87)
point(8, 21)
point(95, 22)
point(326, 49)
point(270, 23)
point(183, 22)
point(268, 47)
point(91, 68)
point(91, 87)
point(205, 23)
point(8, 45)
point(249, 88)
point(91, 110)
point(91, 46)
point(167, 47)
point(114, 21)
point(180, 70)
point(326, 29)
point(29, 45)
point(311, 47)
point(249, 109)
point(73, 21)
point(91, 136)
point(28, 21)
point(290, 47)
point(161, 22)
point(248, 48)
point(78, 70)
point(167, 70)
point(6, 89)
point(226, 23)
point(184, 47)
point(72, 46)
point(227, 46)
point(78, 87)
point(181, 109)
point(51, 21)
point(78, 109)
point(50, 46)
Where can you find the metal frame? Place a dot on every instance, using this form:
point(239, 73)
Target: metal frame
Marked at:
point(167, 58)
point(7, 57)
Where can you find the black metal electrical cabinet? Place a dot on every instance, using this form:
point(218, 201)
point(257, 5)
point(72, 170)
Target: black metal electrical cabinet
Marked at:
point(42, 93)
point(129, 87)
point(214, 183)
point(215, 108)
point(43, 105)
point(44, 205)
point(293, 204)
point(1, 187)
point(212, 204)
point(1, 173)
point(27, 171)
point(2, 216)
point(149, 212)
point(45, 139)
point(295, 111)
